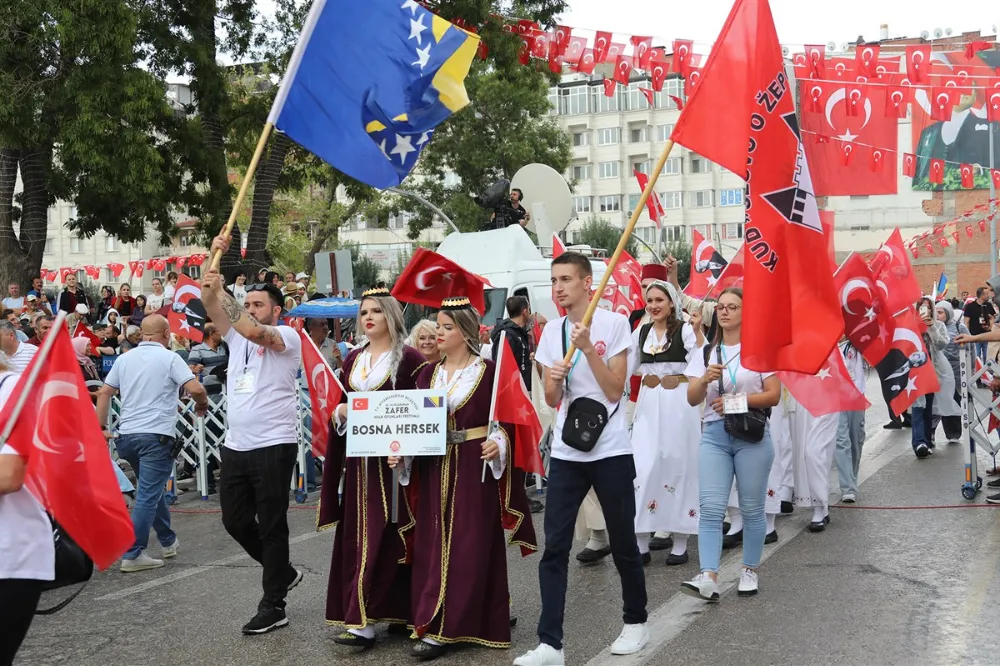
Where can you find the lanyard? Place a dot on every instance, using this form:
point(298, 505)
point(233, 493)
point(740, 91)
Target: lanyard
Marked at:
point(576, 357)
point(729, 370)
point(246, 360)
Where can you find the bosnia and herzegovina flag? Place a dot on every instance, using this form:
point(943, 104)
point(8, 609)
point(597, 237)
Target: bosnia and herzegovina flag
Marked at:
point(369, 81)
point(941, 287)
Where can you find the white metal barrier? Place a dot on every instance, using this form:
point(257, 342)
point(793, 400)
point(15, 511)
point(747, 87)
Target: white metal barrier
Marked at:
point(202, 437)
point(973, 432)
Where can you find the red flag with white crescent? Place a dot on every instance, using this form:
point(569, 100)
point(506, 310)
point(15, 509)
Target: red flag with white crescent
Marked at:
point(653, 205)
point(325, 393)
point(513, 405)
point(707, 265)
point(894, 274)
point(906, 372)
point(186, 313)
point(430, 278)
point(868, 322)
point(829, 391)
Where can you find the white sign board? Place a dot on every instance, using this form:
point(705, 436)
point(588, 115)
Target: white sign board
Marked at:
point(396, 423)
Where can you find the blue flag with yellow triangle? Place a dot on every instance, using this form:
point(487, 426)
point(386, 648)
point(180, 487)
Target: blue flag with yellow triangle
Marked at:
point(369, 81)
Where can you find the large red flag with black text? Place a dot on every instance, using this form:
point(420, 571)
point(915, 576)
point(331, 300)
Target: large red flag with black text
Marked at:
point(325, 392)
point(744, 89)
point(513, 405)
point(68, 465)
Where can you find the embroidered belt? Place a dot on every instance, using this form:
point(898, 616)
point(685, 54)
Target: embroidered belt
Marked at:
point(461, 436)
point(669, 382)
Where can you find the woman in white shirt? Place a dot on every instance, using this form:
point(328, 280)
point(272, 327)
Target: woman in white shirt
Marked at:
point(27, 554)
point(721, 455)
point(240, 285)
point(154, 301)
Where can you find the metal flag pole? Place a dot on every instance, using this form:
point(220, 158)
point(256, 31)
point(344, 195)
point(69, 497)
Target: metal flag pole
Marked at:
point(622, 242)
point(493, 401)
point(993, 212)
point(244, 187)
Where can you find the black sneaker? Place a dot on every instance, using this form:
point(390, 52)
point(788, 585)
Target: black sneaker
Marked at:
point(266, 619)
point(787, 507)
point(294, 577)
point(535, 506)
point(993, 484)
point(661, 543)
point(893, 425)
point(732, 540)
point(922, 451)
point(993, 499)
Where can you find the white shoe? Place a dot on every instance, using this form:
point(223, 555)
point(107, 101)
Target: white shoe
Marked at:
point(140, 563)
point(848, 498)
point(171, 550)
point(748, 583)
point(701, 586)
point(632, 639)
point(543, 655)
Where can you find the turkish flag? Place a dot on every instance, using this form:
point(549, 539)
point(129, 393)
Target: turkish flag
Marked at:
point(116, 268)
point(512, 404)
point(68, 470)
point(995, 175)
point(841, 69)
point(81, 330)
point(853, 113)
point(918, 63)
point(906, 372)
point(731, 276)
point(658, 74)
point(641, 52)
point(894, 275)
point(558, 247)
point(899, 95)
point(620, 303)
point(866, 59)
point(707, 266)
point(829, 391)
point(816, 60)
point(587, 62)
point(744, 88)
point(968, 179)
point(626, 267)
point(574, 49)
point(325, 392)
point(186, 313)
point(993, 100)
point(623, 69)
point(430, 278)
point(615, 49)
point(635, 293)
point(943, 101)
point(653, 205)
point(868, 321)
point(681, 60)
point(692, 79)
point(936, 174)
point(93, 272)
point(563, 34)
point(648, 93)
point(909, 165)
point(877, 161)
point(602, 42)
point(609, 87)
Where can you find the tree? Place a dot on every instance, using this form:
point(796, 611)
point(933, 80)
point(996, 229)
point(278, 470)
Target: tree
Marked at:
point(366, 270)
point(598, 232)
point(681, 251)
point(83, 122)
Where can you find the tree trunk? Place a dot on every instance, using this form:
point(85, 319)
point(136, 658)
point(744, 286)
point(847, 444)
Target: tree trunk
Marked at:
point(21, 253)
point(325, 231)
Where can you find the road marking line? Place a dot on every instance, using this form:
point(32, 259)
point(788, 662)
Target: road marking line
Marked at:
point(680, 611)
point(187, 573)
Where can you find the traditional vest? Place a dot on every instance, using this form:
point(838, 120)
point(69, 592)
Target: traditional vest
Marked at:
point(674, 353)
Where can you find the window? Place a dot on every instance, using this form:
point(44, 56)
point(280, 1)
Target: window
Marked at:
point(733, 197)
point(109, 276)
point(581, 172)
point(638, 134)
point(700, 165)
point(581, 138)
point(860, 227)
point(673, 166)
point(160, 274)
point(72, 212)
point(663, 132)
point(671, 200)
point(607, 136)
point(704, 229)
point(647, 234)
point(80, 276)
point(607, 170)
point(48, 245)
point(732, 231)
point(573, 101)
point(193, 272)
point(76, 245)
point(601, 103)
point(643, 167)
point(674, 234)
point(581, 204)
point(633, 201)
point(672, 87)
point(611, 203)
point(702, 199)
point(110, 244)
point(635, 100)
point(553, 101)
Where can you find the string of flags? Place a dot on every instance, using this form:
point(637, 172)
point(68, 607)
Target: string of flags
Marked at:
point(137, 267)
point(945, 234)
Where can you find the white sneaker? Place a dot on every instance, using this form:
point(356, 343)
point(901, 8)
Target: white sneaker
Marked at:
point(140, 563)
point(748, 583)
point(632, 639)
point(701, 586)
point(171, 550)
point(543, 655)
point(848, 498)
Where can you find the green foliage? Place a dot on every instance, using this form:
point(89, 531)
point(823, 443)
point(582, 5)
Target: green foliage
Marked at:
point(366, 270)
point(597, 232)
point(681, 251)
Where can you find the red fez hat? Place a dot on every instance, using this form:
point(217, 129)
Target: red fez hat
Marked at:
point(654, 272)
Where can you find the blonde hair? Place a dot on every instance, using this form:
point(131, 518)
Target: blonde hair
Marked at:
point(468, 322)
point(418, 328)
point(397, 330)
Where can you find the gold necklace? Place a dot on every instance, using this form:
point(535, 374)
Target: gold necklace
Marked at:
point(367, 366)
point(452, 386)
point(658, 346)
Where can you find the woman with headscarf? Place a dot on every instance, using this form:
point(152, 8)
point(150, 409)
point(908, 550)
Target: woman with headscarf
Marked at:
point(926, 407)
point(111, 318)
point(460, 591)
point(369, 569)
point(945, 313)
point(666, 430)
point(88, 369)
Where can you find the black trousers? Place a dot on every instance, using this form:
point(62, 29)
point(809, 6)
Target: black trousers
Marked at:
point(17, 610)
point(569, 482)
point(253, 491)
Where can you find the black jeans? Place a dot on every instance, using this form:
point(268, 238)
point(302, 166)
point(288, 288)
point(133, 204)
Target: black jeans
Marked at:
point(17, 610)
point(569, 483)
point(253, 491)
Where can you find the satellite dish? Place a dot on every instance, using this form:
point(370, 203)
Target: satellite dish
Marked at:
point(924, 34)
point(831, 46)
point(494, 196)
point(843, 47)
point(547, 196)
point(785, 51)
point(938, 33)
point(948, 32)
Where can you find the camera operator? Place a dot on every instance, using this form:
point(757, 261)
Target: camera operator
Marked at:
point(511, 213)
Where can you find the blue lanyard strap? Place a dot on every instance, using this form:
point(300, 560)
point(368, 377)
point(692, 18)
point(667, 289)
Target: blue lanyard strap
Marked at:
point(576, 356)
point(729, 369)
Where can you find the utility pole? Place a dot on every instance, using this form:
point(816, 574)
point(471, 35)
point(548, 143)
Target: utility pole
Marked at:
point(993, 211)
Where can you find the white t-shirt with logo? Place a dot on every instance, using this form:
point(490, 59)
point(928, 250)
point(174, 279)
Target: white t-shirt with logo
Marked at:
point(747, 381)
point(262, 392)
point(26, 548)
point(609, 332)
point(155, 301)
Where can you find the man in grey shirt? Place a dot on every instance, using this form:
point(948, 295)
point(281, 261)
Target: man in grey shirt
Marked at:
point(210, 359)
point(149, 378)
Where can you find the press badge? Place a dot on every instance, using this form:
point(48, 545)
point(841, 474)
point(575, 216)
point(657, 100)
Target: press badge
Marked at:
point(245, 383)
point(735, 403)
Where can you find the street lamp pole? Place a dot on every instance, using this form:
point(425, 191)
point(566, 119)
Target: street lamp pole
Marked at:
point(993, 210)
point(425, 202)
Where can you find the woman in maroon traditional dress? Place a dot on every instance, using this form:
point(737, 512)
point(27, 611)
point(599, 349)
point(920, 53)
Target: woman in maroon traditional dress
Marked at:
point(459, 592)
point(369, 570)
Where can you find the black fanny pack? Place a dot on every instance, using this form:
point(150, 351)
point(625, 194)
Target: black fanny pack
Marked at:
point(586, 418)
point(750, 426)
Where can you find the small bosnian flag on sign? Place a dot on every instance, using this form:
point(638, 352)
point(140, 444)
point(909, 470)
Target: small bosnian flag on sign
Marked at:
point(433, 401)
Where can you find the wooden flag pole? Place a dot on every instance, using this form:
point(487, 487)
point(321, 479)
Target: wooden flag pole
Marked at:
point(227, 231)
point(622, 242)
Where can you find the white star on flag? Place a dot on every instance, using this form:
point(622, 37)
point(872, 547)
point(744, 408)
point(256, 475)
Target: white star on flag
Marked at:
point(524, 412)
point(911, 386)
point(411, 5)
point(712, 280)
point(382, 146)
point(417, 28)
point(185, 326)
point(423, 57)
point(847, 136)
point(870, 314)
point(425, 137)
point(824, 373)
point(404, 146)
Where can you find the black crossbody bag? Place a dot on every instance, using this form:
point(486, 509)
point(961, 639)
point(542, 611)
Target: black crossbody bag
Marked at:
point(586, 418)
point(748, 427)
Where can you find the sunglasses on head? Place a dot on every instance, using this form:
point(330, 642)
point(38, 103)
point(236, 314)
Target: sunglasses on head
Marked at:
point(260, 286)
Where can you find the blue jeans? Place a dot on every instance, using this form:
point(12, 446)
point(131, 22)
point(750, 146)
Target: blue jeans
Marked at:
point(850, 439)
point(981, 348)
point(720, 456)
point(922, 423)
point(149, 456)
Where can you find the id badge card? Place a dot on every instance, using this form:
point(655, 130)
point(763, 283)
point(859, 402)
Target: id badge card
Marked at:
point(244, 383)
point(735, 403)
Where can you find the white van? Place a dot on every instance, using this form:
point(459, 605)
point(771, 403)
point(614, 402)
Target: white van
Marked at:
point(513, 266)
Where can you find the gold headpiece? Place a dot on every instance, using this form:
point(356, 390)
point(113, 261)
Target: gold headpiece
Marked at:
point(456, 303)
point(375, 291)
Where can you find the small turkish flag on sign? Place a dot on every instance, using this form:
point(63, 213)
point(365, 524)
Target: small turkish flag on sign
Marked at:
point(909, 165)
point(968, 180)
point(877, 160)
point(936, 175)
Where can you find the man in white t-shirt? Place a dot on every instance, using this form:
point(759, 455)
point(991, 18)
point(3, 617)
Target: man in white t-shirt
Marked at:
point(14, 301)
point(597, 374)
point(261, 441)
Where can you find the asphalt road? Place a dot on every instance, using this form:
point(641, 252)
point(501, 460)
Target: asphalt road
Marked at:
point(908, 576)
